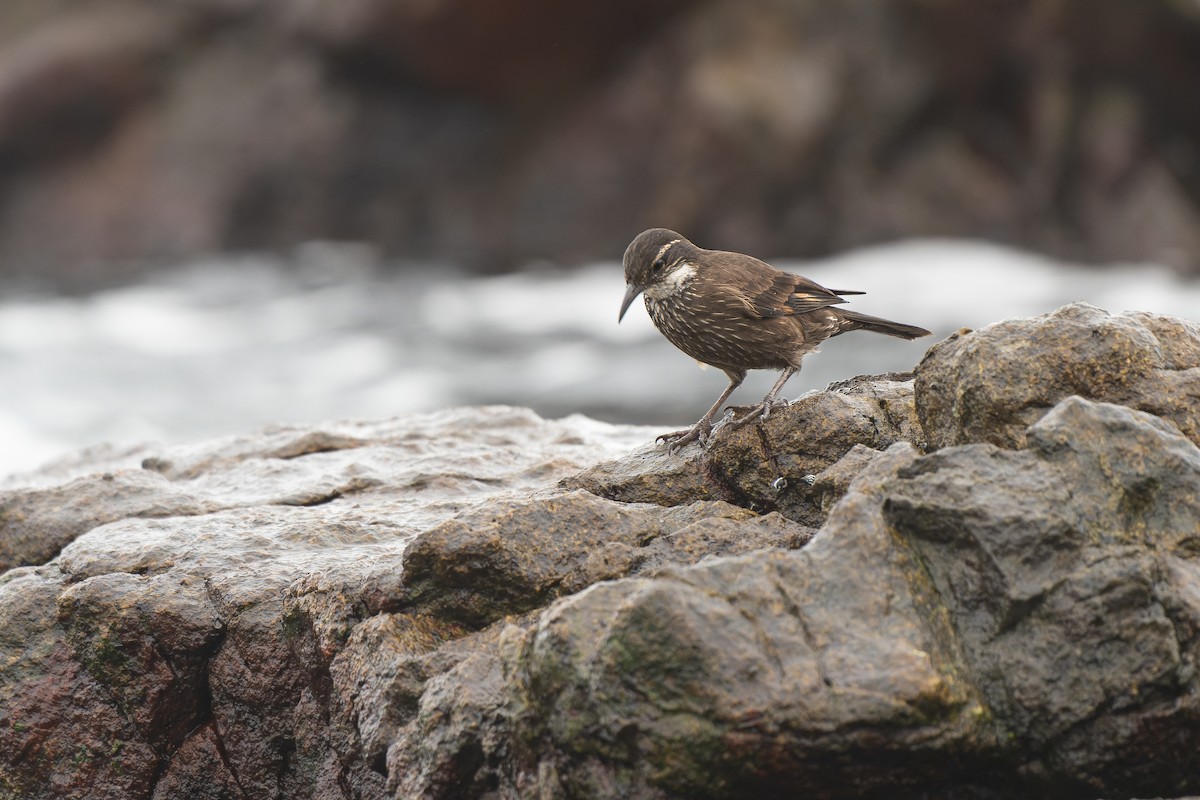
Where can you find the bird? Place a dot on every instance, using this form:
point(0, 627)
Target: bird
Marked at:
point(737, 313)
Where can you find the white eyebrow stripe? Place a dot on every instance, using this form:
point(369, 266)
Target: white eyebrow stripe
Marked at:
point(663, 250)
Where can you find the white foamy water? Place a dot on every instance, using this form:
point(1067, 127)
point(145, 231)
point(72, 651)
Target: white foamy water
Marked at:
point(229, 345)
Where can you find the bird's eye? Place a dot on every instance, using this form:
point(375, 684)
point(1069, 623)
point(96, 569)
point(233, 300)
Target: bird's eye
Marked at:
point(658, 265)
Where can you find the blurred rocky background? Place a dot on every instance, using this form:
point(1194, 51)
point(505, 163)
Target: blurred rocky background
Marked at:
point(492, 135)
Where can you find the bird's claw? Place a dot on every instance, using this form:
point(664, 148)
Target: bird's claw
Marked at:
point(755, 414)
point(677, 440)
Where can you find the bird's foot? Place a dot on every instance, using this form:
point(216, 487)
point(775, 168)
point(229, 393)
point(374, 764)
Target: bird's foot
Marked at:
point(676, 440)
point(755, 413)
point(752, 414)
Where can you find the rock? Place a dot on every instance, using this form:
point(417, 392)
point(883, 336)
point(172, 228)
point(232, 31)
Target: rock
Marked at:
point(459, 727)
point(35, 525)
point(198, 770)
point(973, 619)
point(650, 474)
point(1069, 573)
point(441, 607)
point(65, 87)
point(990, 385)
point(737, 677)
point(379, 679)
point(763, 466)
point(148, 641)
point(512, 557)
point(834, 482)
point(61, 734)
point(512, 56)
point(193, 612)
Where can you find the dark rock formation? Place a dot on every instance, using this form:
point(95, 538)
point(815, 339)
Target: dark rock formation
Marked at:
point(1069, 571)
point(448, 607)
point(454, 130)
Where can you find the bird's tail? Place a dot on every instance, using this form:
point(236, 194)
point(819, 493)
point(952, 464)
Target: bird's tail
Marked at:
point(864, 322)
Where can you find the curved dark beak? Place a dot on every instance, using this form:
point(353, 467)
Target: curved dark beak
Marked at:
point(631, 293)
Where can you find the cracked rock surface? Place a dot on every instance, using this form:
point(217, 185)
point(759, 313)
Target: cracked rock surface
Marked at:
point(483, 604)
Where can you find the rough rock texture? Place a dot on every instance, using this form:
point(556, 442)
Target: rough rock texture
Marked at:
point(976, 623)
point(482, 604)
point(990, 385)
point(765, 466)
point(508, 558)
point(1070, 572)
point(492, 135)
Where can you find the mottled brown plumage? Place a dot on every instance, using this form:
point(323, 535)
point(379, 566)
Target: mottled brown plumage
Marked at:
point(736, 313)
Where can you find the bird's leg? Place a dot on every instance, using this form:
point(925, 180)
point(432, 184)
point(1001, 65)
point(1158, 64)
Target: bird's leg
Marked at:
point(701, 430)
point(763, 409)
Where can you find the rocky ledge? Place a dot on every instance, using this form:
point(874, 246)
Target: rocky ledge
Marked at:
point(980, 581)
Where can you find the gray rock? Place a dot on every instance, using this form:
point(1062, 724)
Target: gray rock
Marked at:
point(763, 466)
point(990, 385)
point(509, 558)
point(833, 482)
point(412, 608)
point(979, 622)
point(35, 525)
point(193, 612)
point(1068, 571)
point(738, 677)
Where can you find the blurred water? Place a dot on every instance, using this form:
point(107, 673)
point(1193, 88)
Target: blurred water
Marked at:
point(228, 345)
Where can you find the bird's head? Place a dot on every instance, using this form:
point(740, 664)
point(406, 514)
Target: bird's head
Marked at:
point(657, 262)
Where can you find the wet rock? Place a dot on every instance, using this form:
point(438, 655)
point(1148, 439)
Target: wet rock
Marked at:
point(35, 525)
point(979, 622)
point(198, 770)
point(1068, 571)
point(61, 733)
point(736, 677)
point(512, 557)
point(148, 641)
point(460, 727)
point(379, 678)
point(832, 483)
point(990, 385)
point(191, 617)
point(764, 466)
point(808, 436)
point(650, 474)
point(445, 606)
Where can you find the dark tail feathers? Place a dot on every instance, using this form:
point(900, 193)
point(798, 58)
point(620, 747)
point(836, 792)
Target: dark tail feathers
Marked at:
point(865, 322)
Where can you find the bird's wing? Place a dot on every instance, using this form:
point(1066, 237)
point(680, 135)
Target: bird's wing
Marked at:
point(767, 292)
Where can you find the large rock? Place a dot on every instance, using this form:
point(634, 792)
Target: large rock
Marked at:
point(1069, 573)
point(182, 637)
point(990, 385)
point(977, 623)
point(751, 676)
point(483, 604)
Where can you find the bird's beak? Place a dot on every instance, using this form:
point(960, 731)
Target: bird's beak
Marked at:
point(631, 293)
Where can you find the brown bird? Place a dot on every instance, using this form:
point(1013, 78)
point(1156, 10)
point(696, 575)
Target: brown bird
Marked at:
point(736, 313)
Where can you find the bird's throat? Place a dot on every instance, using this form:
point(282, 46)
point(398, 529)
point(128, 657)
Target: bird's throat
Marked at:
point(671, 284)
